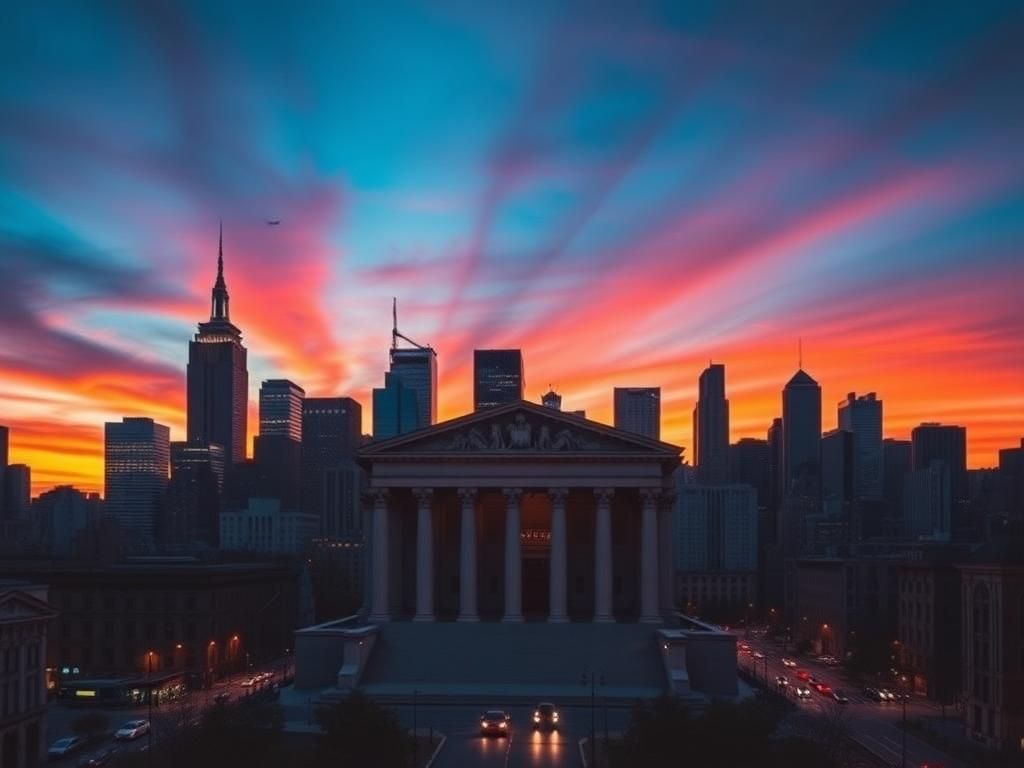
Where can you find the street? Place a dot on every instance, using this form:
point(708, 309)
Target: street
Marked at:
point(872, 724)
point(165, 718)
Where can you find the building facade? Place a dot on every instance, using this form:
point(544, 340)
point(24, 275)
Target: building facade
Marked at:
point(331, 434)
point(638, 410)
point(193, 496)
point(801, 434)
point(992, 600)
point(264, 526)
point(862, 416)
point(416, 369)
point(25, 616)
point(218, 380)
point(136, 456)
point(499, 377)
point(395, 409)
point(929, 639)
point(711, 427)
point(61, 514)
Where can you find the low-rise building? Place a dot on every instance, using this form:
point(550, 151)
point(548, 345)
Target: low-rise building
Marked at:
point(265, 527)
point(929, 628)
point(24, 619)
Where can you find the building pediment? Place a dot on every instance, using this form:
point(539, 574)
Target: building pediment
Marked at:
point(520, 429)
point(16, 605)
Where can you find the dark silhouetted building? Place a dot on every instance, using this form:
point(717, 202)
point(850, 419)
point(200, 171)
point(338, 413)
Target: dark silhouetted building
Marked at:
point(331, 433)
point(638, 410)
point(416, 368)
point(193, 497)
point(136, 454)
point(395, 409)
point(946, 443)
point(711, 427)
point(862, 417)
point(801, 428)
point(1011, 472)
point(62, 513)
point(749, 463)
point(218, 381)
point(896, 458)
point(17, 491)
point(776, 462)
point(4, 459)
point(929, 628)
point(838, 459)
point(498, 377)
point(927, 506)
point(278, 449)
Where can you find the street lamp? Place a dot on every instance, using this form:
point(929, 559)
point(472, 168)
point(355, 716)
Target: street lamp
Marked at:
point(149, 676)
point(593, 680)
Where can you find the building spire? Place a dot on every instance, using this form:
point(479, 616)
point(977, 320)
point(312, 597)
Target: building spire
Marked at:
point(219, 300)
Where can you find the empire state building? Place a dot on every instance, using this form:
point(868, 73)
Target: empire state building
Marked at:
point(218, 381)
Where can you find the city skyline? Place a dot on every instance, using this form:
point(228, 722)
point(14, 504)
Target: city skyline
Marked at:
point(868, 227)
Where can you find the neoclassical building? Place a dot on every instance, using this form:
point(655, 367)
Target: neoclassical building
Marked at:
point(520, 512)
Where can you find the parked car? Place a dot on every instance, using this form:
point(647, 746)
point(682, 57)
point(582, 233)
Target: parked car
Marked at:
point(803, 692)
point(98, 760)
point(66, 746)
point(494, 722)
point(545, 716)
point(789, 663)
point(133, 729)
point(840, 697)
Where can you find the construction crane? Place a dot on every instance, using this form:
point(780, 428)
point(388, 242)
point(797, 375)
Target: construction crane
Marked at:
point(395, 333)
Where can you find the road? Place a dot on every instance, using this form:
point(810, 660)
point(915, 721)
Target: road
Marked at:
point(523, 747)
point(870, 723)
point(165, 718)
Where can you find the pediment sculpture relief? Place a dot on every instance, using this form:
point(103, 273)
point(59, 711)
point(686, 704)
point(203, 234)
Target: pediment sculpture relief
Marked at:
point(518, 435)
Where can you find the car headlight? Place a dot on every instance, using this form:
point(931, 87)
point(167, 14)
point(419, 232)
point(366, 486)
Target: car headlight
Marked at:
point(504, 725)
point(536, 718)
point(555, 716)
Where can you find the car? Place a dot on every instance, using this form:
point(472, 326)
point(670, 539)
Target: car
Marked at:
point(545, 716)
point(98, 760)
point(494, 722)
point(744, 647)
point(873, 694)
point(249, 682)
point(813, 681)
point(840, 697)
point(803, 692)
point(887, 695)
point(222, 698)
point(66, 746)
point(803, 674)
point(133, 729)
point(757, 655)
point(789, 663)
point(781, 681)
point(823, 688)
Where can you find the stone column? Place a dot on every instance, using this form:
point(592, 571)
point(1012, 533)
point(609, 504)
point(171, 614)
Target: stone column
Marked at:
point(467, 552)
point(557, 575)
point(424, 554)
point(666, 560)
point(380, 610)
point(513, 557)
point(649, 557)
point(603, 556)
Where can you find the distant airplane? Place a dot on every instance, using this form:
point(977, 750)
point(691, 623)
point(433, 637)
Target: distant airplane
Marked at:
point(273, 222)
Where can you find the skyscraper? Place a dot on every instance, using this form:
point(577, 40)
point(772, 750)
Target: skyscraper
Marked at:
point(838, 459)
point(862, 416)
point(193, 496)
point(776, 463)
point(711, 427)
point(278, 447)
point(17, 491)
point(498, 377)
point(416, 368)
point(395, 408)
point(136, 454)
point(638, 410)
point(801, 435)
point(218, 382)
point(749, 464)
point(331, 433)
point(897, 461)
point(946, 443)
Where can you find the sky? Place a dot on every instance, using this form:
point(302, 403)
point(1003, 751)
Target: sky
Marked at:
point(624, 191)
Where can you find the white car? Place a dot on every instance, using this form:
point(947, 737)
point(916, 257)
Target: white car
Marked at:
point(133, 729)
point(66, 746)
point(781, 681)
point(758, 655)
point(789, 663)
point(803, 692)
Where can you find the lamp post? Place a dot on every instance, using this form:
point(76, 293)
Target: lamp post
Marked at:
point(593, 680)
point(903, 758)
point(149, 677)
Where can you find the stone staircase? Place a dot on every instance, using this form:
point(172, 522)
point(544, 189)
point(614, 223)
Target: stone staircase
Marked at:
point(531, 661)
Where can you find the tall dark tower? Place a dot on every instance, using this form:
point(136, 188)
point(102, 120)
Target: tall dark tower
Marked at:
point(218, 381)
point(711, 427)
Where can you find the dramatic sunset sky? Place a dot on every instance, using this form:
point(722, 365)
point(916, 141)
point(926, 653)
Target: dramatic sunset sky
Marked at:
point(622, 194)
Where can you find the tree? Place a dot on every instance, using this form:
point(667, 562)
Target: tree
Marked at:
point(91, 725)
point(359, 732)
